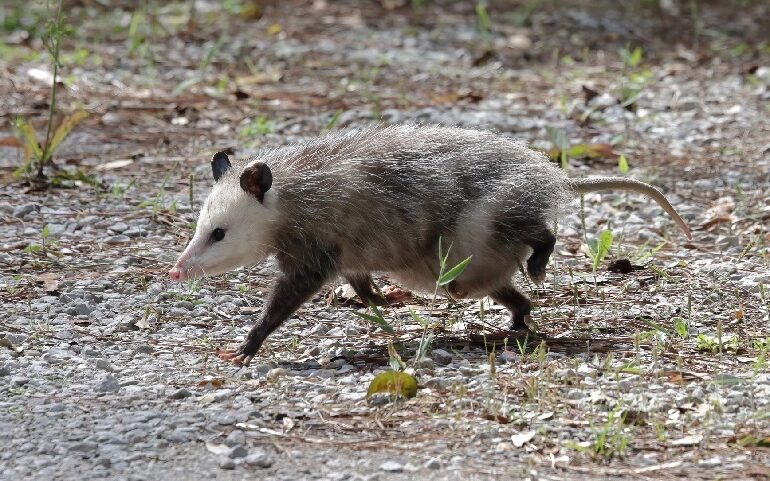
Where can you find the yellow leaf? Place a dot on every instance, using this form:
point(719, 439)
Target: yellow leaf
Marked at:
point(29, 136)
point(398, 383)
point(274, 29)
point(64, 128)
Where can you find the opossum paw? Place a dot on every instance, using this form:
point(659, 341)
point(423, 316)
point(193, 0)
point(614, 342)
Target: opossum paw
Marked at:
point(536, 272)
point(235, 356)
point(394, 295)
point(522, 322)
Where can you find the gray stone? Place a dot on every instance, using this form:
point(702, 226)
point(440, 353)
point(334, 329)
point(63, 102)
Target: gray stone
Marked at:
point(179, 436)
point(235, 438)
point(82, 447)
point(575, 394)
point(145, 349)
point(118, 227)
point(80, 309)
point(226, 463)
point(118, 239)
point(17, 381)
point(433, 464)
point(180, 393)
point(22, 210)
point(226, 419)
point(104, 365)
point(259, 458)
point(392, 467)
point(441, 357)
point(5, 371)
point(238, 452)
point(109, 383)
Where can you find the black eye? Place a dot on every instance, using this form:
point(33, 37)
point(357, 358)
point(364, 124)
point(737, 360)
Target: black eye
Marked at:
point(218, 234)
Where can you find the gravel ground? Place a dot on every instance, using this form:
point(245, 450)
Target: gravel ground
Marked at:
point(108, 371)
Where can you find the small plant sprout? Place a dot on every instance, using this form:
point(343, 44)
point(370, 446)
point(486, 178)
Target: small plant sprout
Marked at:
point(482, 20)
point(622, 164)
point(599, 248)
point(681, 327)
point(38, 155)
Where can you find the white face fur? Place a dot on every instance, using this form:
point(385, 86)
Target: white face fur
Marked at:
point(233, 230)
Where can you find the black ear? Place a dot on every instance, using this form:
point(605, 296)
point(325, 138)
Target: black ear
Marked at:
point(256, 179)
point(220, 164)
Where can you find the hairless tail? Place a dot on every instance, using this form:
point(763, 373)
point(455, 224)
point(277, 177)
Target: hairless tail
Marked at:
point(582, 186)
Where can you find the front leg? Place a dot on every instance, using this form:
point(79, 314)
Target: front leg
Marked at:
point(293, 287)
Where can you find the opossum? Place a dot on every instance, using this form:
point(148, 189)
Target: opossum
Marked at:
point(380, 199)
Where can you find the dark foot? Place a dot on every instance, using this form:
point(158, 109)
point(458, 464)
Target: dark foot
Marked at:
point(363, 284)
point(517, 303)
point(521, 322)
point(541, 254)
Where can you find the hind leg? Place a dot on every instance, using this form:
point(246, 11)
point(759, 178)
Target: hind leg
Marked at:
point(516, 302)
point(542, 249)
point(363, 284)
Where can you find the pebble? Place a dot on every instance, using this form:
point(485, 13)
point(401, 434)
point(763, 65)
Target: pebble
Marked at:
point(109, 383)
point(238, 452)
point(258, 458)
point(392, 467)
point(226, 463)
point(104, 365)
point(144, 349)
point(180, 393)
point(441, 357)
point(235, 438)
point(22, 210)
point(575, 394)
point(432, 464)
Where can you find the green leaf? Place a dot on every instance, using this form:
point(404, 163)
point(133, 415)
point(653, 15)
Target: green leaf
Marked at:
point(603, 246)
point(45, 232)
point(418, 318)
point(424, 345)
point(32, 248)
point(376, 319)
point(622, 164)
point(186, 84)
point(397, 383)
point(452, 273)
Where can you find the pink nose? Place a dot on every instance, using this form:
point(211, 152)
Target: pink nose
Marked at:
point(175, 274)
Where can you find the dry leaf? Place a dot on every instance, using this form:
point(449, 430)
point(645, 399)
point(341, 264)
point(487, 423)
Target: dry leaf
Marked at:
point(11, 142)
point(691, 440)
point(115, 164)
point(521, 439)
point(211, 383)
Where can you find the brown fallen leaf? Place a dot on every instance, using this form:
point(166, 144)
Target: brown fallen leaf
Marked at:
point(11, 142)
point(211, 383)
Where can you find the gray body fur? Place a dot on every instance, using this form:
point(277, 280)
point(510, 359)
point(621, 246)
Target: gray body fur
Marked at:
point(379, 199)
point(383, 197)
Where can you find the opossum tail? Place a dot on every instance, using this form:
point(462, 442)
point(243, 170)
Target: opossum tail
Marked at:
point(582, 186)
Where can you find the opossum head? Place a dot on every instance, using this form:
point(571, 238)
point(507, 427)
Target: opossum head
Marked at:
point(234, 225)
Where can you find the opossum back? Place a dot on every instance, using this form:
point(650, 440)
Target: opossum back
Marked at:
point(385, 195)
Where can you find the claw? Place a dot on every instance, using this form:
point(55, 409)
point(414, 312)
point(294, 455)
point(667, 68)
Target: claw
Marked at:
point(234, 356)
